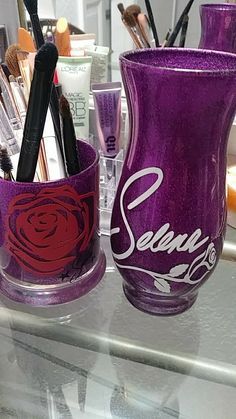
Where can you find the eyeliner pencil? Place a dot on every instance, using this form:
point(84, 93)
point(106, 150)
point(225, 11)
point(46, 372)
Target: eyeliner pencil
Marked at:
point(32, 9)
point(69, 138)
point(179, 24)
point(41, 86)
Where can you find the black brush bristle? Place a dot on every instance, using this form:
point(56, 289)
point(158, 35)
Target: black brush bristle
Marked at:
point(31, 6)
point(65, 108)
point(46, 57)
point(121, 8)
point(5, 161)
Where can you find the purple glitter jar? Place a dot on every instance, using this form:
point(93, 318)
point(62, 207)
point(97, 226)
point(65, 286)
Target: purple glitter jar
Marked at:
point(50, 247)
point(218, 27)
point(169, 214)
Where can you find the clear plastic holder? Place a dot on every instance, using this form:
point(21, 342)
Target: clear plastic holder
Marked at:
point(110, 172)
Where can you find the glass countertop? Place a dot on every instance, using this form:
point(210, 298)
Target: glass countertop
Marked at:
point(99, 357)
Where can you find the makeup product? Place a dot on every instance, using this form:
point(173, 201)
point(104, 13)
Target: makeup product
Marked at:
point(144, 28)
point(25, 71)
point(99, 70)
point(132, 34)
point(69, 139)
point(152, 22)
point(11, 59)
point(6, 164)
point(18, 98)
point(80, 42)
point(107, 101)
point(6, 70)
point(45, 63)
point(74, 76)
point(7, 134)
point(184, 31)
point(179, 24)
point(32, 8)
point(130, 15)
point(25, 40)
point(10, 106)
point(166, 38)
point(62, 37)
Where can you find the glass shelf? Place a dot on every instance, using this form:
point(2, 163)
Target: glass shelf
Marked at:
point(99, 357)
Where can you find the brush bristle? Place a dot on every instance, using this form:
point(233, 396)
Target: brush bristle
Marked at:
point(31, 6)
point(46, 57)
point(5, 161)
point(134, 10)
point(129, 19)
point(121, 8)
point(11, 59)
point(64, 108)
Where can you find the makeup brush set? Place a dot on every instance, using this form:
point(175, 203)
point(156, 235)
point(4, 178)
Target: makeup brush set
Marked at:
point(142, 28)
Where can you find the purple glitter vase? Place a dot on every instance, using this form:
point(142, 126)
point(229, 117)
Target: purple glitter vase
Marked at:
point(218, 27)
point(169, 214)
point(49, 241)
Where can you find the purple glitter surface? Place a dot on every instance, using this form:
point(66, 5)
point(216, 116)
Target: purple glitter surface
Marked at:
point(218, 27)
point(169, 214)
point(50, 246)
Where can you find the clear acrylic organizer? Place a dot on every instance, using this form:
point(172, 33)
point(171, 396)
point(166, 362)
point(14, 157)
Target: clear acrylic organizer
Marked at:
point(110, 172)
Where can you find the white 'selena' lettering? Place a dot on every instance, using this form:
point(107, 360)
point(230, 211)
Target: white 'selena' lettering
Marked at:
point(164, 240)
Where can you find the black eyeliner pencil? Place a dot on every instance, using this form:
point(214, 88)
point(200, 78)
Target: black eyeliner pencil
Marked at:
point(178, 25)
point(69, 138)
point(32, 9)
point(184, 32)
point(152, 22)
point(41, 86)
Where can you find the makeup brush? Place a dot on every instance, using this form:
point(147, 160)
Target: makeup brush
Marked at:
point(69, 138)
point(144, 27)
point(25, 71)
point(152, 22)
point(179, 24)
point(41, 86)
point(11, 59)
point(133, 36)
point(130, 15)
point(62, 37)
point(6, 164)
point(6, 70)
point(32, 9)
point(184, 31)
point(25, 40)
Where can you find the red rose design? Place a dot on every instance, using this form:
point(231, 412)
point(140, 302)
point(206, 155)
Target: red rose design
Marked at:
point(44, 230)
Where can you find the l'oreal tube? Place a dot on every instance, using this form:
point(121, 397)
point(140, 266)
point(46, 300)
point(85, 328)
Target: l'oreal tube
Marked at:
point(107, 101)
point(74, 75)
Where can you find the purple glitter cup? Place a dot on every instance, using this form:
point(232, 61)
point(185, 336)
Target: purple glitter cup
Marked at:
point(169, 214)
point(218, 27)
point(49, 241)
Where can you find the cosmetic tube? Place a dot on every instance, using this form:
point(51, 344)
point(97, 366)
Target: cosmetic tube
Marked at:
point(80, 42)
point(107, 101)
point(74, 76)
point(99, 71)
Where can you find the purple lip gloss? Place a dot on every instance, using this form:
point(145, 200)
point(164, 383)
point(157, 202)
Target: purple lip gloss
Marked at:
point(107, 101)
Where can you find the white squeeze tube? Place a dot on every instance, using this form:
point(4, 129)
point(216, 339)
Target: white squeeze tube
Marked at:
point(74, 75)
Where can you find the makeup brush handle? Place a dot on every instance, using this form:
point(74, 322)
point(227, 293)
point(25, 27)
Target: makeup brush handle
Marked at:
point(134, 37)
point(25, 172)
point(54, 108)
point(152, 22)
point(38, 34)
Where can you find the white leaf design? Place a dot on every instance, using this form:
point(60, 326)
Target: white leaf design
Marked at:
point(162, 285)
point(178, 270)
